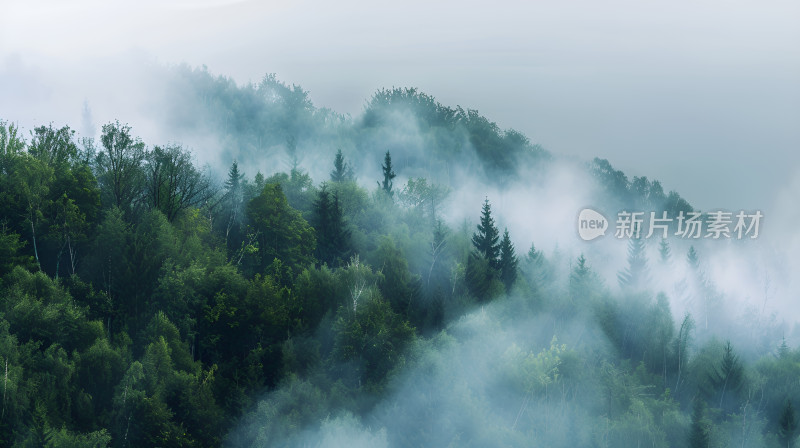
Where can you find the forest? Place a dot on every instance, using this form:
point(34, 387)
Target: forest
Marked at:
point(334, 281)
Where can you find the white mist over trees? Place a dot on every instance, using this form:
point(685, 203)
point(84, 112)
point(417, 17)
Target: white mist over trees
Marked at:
point(340, 281)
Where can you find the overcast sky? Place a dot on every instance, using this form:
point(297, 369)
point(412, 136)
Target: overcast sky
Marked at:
point(702, 95)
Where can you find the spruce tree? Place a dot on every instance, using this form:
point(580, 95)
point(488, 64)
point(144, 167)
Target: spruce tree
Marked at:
point(635, 275)
point(333, 238)
point(233, 207)
point(342, 171)
point(698, 431)
point(664, 251)
point(486, 238)
point(783, 349)
point(340, 234)
point(508, 262)
point(388, 175)
point(788, 425)
point(728, 378)
point(579, 278)
point(692, 258)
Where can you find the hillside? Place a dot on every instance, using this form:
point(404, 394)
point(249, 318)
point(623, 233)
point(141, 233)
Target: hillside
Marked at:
point(328, 280)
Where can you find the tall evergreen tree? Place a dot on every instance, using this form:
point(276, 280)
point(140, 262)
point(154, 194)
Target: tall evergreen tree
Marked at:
point(579, 278)
point(340, 234)
point(486, 238)
point(728, 378)
point(342, 171)
point(508, 262)
point(664, 251)
point(234, 207)
point(692, 258)
point(698, 431)
point(388, 174)
point(635, 275)
point(332, 233)
point(788, 425)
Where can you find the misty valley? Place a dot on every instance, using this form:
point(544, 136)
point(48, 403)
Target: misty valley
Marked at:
point(267, 273)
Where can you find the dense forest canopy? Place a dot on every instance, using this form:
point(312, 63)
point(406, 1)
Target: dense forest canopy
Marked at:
point(340, 281)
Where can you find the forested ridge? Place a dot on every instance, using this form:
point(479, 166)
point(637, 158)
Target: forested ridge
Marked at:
point(314, 292)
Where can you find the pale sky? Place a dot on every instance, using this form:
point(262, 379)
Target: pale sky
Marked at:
point(704, 95)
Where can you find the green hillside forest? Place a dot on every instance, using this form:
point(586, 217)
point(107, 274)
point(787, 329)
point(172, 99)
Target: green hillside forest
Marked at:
point(322, 280)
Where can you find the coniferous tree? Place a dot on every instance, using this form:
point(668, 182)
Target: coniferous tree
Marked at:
point(635, 275)
point(388, 174)
point(664, 251)
point(234, 207)
point(342, 171)
point(783, 349)
point(579, 278)
point(729, 376)
point(788, 425)
point(698, 431)
point(536, 267)
point(486, 238)
point(333, 237)
point(340, 234)
point(508, 262)
point(692, 258)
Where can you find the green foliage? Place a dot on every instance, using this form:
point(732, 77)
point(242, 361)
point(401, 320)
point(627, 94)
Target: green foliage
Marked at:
point(635, 275)
point(699, 430)
point(482, 279)
point(373, 336)
point(282, 232)
point(140, 307)
point(333, 235)
point(422, 197)
point(119, 166)
point(342, 171)
point(173, 184)
point(787, 425)
point(486, 239)
point(388, 175)
point(10, 247)
point(508, 262)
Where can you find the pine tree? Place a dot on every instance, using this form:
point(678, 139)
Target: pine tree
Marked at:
point(635, 275)
point(664, 251)
point(698, 431)
point(783, 349)
point(508, 262)
point(579, 278)
point(730, 375)
point(332, 235)
point(234, 205)
point(322, 224)
point(342, 171)
point(340, 234)
point(486, 238)
point(788, 425)
point(388, 174)
point(234, 180)
point(692, 258)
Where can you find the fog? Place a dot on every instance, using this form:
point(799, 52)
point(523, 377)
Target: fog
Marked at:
point(665, 90)
point(703, 97)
